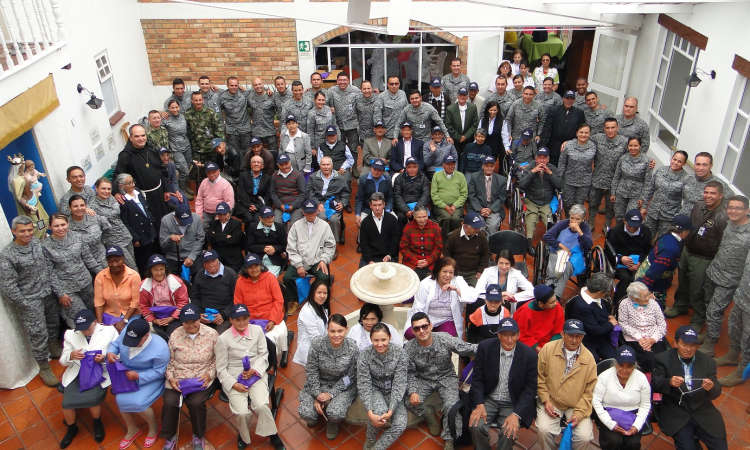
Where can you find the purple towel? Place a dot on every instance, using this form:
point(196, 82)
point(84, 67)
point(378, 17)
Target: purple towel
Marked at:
point(109, 319)
point(162, 312)
point(190, 386)
point(260, 322)
point(250, 381)
point(120, 382)
point(91, 374)
point(615, 335)
point(625, 419)
point(468, 373)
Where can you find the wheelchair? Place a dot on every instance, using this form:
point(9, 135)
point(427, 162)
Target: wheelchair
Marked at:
point(594, 260)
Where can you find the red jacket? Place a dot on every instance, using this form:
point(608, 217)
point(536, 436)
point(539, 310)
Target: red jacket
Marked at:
point(262, 298)
point(179, 297)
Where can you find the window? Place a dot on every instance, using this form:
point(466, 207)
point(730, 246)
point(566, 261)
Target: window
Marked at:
point(737, 148)
point(107, 83)
point(676, 62)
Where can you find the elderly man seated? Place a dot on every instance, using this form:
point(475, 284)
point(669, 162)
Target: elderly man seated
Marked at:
point(631, 242)
point(331, 192)
point(411, 190)
point(487, 193)
point(538, 184)
point(311, 248)
point(594, 310)
point(643, 325)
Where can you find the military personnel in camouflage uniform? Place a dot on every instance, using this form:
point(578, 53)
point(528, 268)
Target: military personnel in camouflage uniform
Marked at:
point(455, 80)
point(343, 99)
point(298, 106)
point(182, 153)
point(25, 284)
point(575, 168)
point(631, 177)
point(692, 191)
point(77, 179)
point(501, 95)
point(526, 113)
point(422, 117)
point(366, 103)
point(233, 104)
point(431, 369)
point(609, 149)
point(180, 95)
point(263, 112)
point(156, 134)
point(664, 191)
point(211, 94)
point(389, 106)
point(548, 98)
point(281, 96)
point(633, 126)
point(582, 88)
point(316, 81)
point(204, 125)
point(595, 113)
point(724, 282)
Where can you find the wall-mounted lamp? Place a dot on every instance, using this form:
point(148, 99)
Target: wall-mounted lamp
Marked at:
point(94, 103)
point(692, 80)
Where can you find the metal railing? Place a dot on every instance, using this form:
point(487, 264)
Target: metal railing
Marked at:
point(28, 30)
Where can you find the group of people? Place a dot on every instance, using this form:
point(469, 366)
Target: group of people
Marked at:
point(171, 296)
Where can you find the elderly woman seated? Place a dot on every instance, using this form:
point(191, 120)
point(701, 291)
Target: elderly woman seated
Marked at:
point(88, 336)
point(117, 291)
point(259, 291)
point(190, 373)
point(369, 315)
point(622, 401)
point(146, 357)
point(241, 365)
point(569, 239)
point(162, 296)
point(643, 325)
point(421, 243)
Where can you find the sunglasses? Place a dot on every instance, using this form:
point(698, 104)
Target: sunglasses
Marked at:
point(418, 328)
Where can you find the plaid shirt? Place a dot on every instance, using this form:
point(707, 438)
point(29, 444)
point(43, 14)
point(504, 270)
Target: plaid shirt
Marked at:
point(419, 244)
point(571, 362)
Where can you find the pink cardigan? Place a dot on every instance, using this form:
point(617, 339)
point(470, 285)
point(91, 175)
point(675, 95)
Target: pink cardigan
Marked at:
point(210, 195)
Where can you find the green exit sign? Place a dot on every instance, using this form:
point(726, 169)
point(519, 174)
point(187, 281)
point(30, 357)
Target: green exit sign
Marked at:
point(304, 46)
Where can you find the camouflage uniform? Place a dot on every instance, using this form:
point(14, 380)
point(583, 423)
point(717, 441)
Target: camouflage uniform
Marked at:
point(665, 187)
point(184, 101)
point(608, 153)
point(299, 109)
point(204, 126)
point(422, 120)
point(596, 119)
point(522, 116)
point(236, 120)
point(88, 194)
point(25, 284)
point(575, 170)
point(504, 101)
point(279, 100)
point(549, 100)
point(263, 112)
point(366, 112)
point(692, 192)
point(635, 127)
point(345, 102)
point(388, 109)
point(182, 153)
point(211, 100)
point(451, 85)
point(157, 137)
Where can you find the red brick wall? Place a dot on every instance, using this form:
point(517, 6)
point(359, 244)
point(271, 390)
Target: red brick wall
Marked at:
point(220, 48)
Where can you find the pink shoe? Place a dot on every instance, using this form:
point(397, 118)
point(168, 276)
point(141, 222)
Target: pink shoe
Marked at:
point(150, 441)
point(125, 443)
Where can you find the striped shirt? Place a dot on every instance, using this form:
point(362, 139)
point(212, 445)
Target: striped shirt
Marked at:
point(501, 393)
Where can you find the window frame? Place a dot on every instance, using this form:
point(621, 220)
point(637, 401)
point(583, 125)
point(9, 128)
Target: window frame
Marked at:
point(109, 76)
point(672, 43)
point(741, 88)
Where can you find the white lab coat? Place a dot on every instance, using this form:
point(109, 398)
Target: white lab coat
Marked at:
point(75, 340)
point(426, 294)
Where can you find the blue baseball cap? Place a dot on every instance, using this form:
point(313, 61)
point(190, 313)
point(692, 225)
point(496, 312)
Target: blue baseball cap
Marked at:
point(331, 130)
point(463, 91)
point(378, 164)
point(437, 129)
point(379, 123)
point(184, 215)
point(634, 218)
point(493, 293)
point(283, 158)
point(239, 310)
point(489, 159)
point(310, 206)
point(252, 259)
point(449, 159)
point(527, 134)
point(190, 312)
point(686, 334)
point(210, 255)
point(406, 124)
point(573, 326)
point(255, 141)
point(435, 82)
point(84, 319)
point(544, 151)
point(211, 166)
point(542, 292)
point(135, 332)
point(163, 150)
point(291, 118)
point(215, 142)
point(156, 259)
point(507, 324)
point(114, 250)
point(474, 219)
point(569, 94)
point(411, 160)
point(266, 211)
point(682, 222)
point(473, 86)
point(223, 208)
point(625, 354)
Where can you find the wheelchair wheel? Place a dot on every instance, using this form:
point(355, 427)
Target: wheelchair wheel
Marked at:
point(599, 261)
point(518, 223)
point(506, 166)
point(540, 263)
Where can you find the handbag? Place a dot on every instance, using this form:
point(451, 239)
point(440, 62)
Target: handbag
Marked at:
point(109, 319)
point(566, 441)
point(91, 373)
point(190, 386)
point(303, 288)
point(614, 337)
point(120, 382)
point(162, 312)
point(250, 381)
point(260, 322)
point(624, 419)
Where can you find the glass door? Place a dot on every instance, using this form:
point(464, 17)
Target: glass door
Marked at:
point(611, 60)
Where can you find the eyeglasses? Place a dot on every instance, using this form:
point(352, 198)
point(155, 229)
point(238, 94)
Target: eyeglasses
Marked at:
point(735, 208)
point(418, 328)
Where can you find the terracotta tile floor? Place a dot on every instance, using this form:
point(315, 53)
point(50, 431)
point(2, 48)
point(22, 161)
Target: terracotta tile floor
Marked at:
point(31, 417)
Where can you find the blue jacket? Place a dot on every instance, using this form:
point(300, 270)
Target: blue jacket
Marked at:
point(367, 188)
point(664, 259)
point(597, 326)
point(397, 154)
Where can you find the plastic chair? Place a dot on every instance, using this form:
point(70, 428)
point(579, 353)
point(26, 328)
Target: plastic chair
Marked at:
point(513, 241)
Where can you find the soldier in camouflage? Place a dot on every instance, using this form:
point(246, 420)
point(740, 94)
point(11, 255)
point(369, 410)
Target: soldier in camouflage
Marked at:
point(26, 285)
point(595, 113)
point(180, 95)
point(156, 134)
point(343, 99)
point(388, 108)
point(366, 103)
point(455, 80)
point(548, 98)
point(526, 113)
point(609, 149)
point(210, 93)
point(501, 95)
point(204, 125)
point(316, 81)
point(263, 112)
point(233, 104)
point(281, 95)
point(582, 87)
point(298, 106)
point(692, 190)
point(632, 126)
point(422, 117)
point(77, 179)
